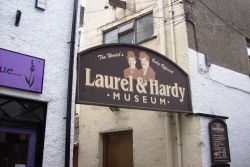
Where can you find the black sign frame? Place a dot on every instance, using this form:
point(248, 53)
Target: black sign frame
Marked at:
point(79, 101)
point(220, 141)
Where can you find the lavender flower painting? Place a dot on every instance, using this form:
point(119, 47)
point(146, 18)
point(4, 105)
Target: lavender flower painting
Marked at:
point(31, 79)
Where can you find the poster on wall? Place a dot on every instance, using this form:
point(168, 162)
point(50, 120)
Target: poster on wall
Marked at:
point(21, 71)
point(219, 145)
point(130, 76)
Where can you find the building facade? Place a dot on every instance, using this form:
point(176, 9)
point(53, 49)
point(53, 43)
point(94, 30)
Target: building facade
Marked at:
point(222, 39)
point(210, 42)
point(34, 61)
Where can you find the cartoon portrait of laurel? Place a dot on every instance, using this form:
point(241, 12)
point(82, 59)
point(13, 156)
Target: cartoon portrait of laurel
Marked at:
point(146, 72)
point(132, 69)
point(30, 79)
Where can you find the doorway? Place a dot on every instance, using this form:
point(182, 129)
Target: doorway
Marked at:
point(22, 128)
point(17, 147)
point(118, 149)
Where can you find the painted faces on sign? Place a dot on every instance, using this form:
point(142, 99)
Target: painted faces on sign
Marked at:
point(132, 69)
point(146, 73)
point(132, 62)
point(131, 59)
point(144, 63)
point(144, 58)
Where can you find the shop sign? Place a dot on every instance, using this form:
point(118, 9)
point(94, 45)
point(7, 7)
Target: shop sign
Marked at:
point(219, 141)
point(131, 76)
point(21, 71)
point(41, 4)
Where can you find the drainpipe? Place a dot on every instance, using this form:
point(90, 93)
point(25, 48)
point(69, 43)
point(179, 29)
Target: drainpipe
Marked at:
point(178, 136)
point(172, 34)
point(162, 28)
point(176, 115)
point(70, 85)
point(167, 119)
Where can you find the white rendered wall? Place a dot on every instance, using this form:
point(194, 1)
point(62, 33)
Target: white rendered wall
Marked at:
point(190, 141)
point(149, 135)
point(43, 34)
point(224, 92)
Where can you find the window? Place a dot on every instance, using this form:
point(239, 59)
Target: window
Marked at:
point(144, 28)
point(248, 48)
point(111, 36)
point(135, 31)
point(81, 16)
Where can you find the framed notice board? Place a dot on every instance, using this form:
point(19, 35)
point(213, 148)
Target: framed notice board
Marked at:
point(219, 145)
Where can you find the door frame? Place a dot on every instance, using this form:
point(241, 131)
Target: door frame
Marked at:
point(32, 142)
point(105, 142)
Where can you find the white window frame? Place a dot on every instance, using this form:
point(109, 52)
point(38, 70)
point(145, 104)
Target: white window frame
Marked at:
point(248, 48)
point(129, 29)
point(81, 20)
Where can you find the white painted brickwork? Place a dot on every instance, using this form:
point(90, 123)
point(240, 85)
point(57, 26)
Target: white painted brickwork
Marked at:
point(224, 92)
point(43, 34)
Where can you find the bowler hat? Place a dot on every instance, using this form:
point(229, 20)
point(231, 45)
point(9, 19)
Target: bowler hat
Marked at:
point(130, 54)
point(143, 55)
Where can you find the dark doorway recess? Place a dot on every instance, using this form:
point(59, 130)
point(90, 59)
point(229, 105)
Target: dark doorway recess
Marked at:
point(118, 149)
point(22, 128)
point(75, 155)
